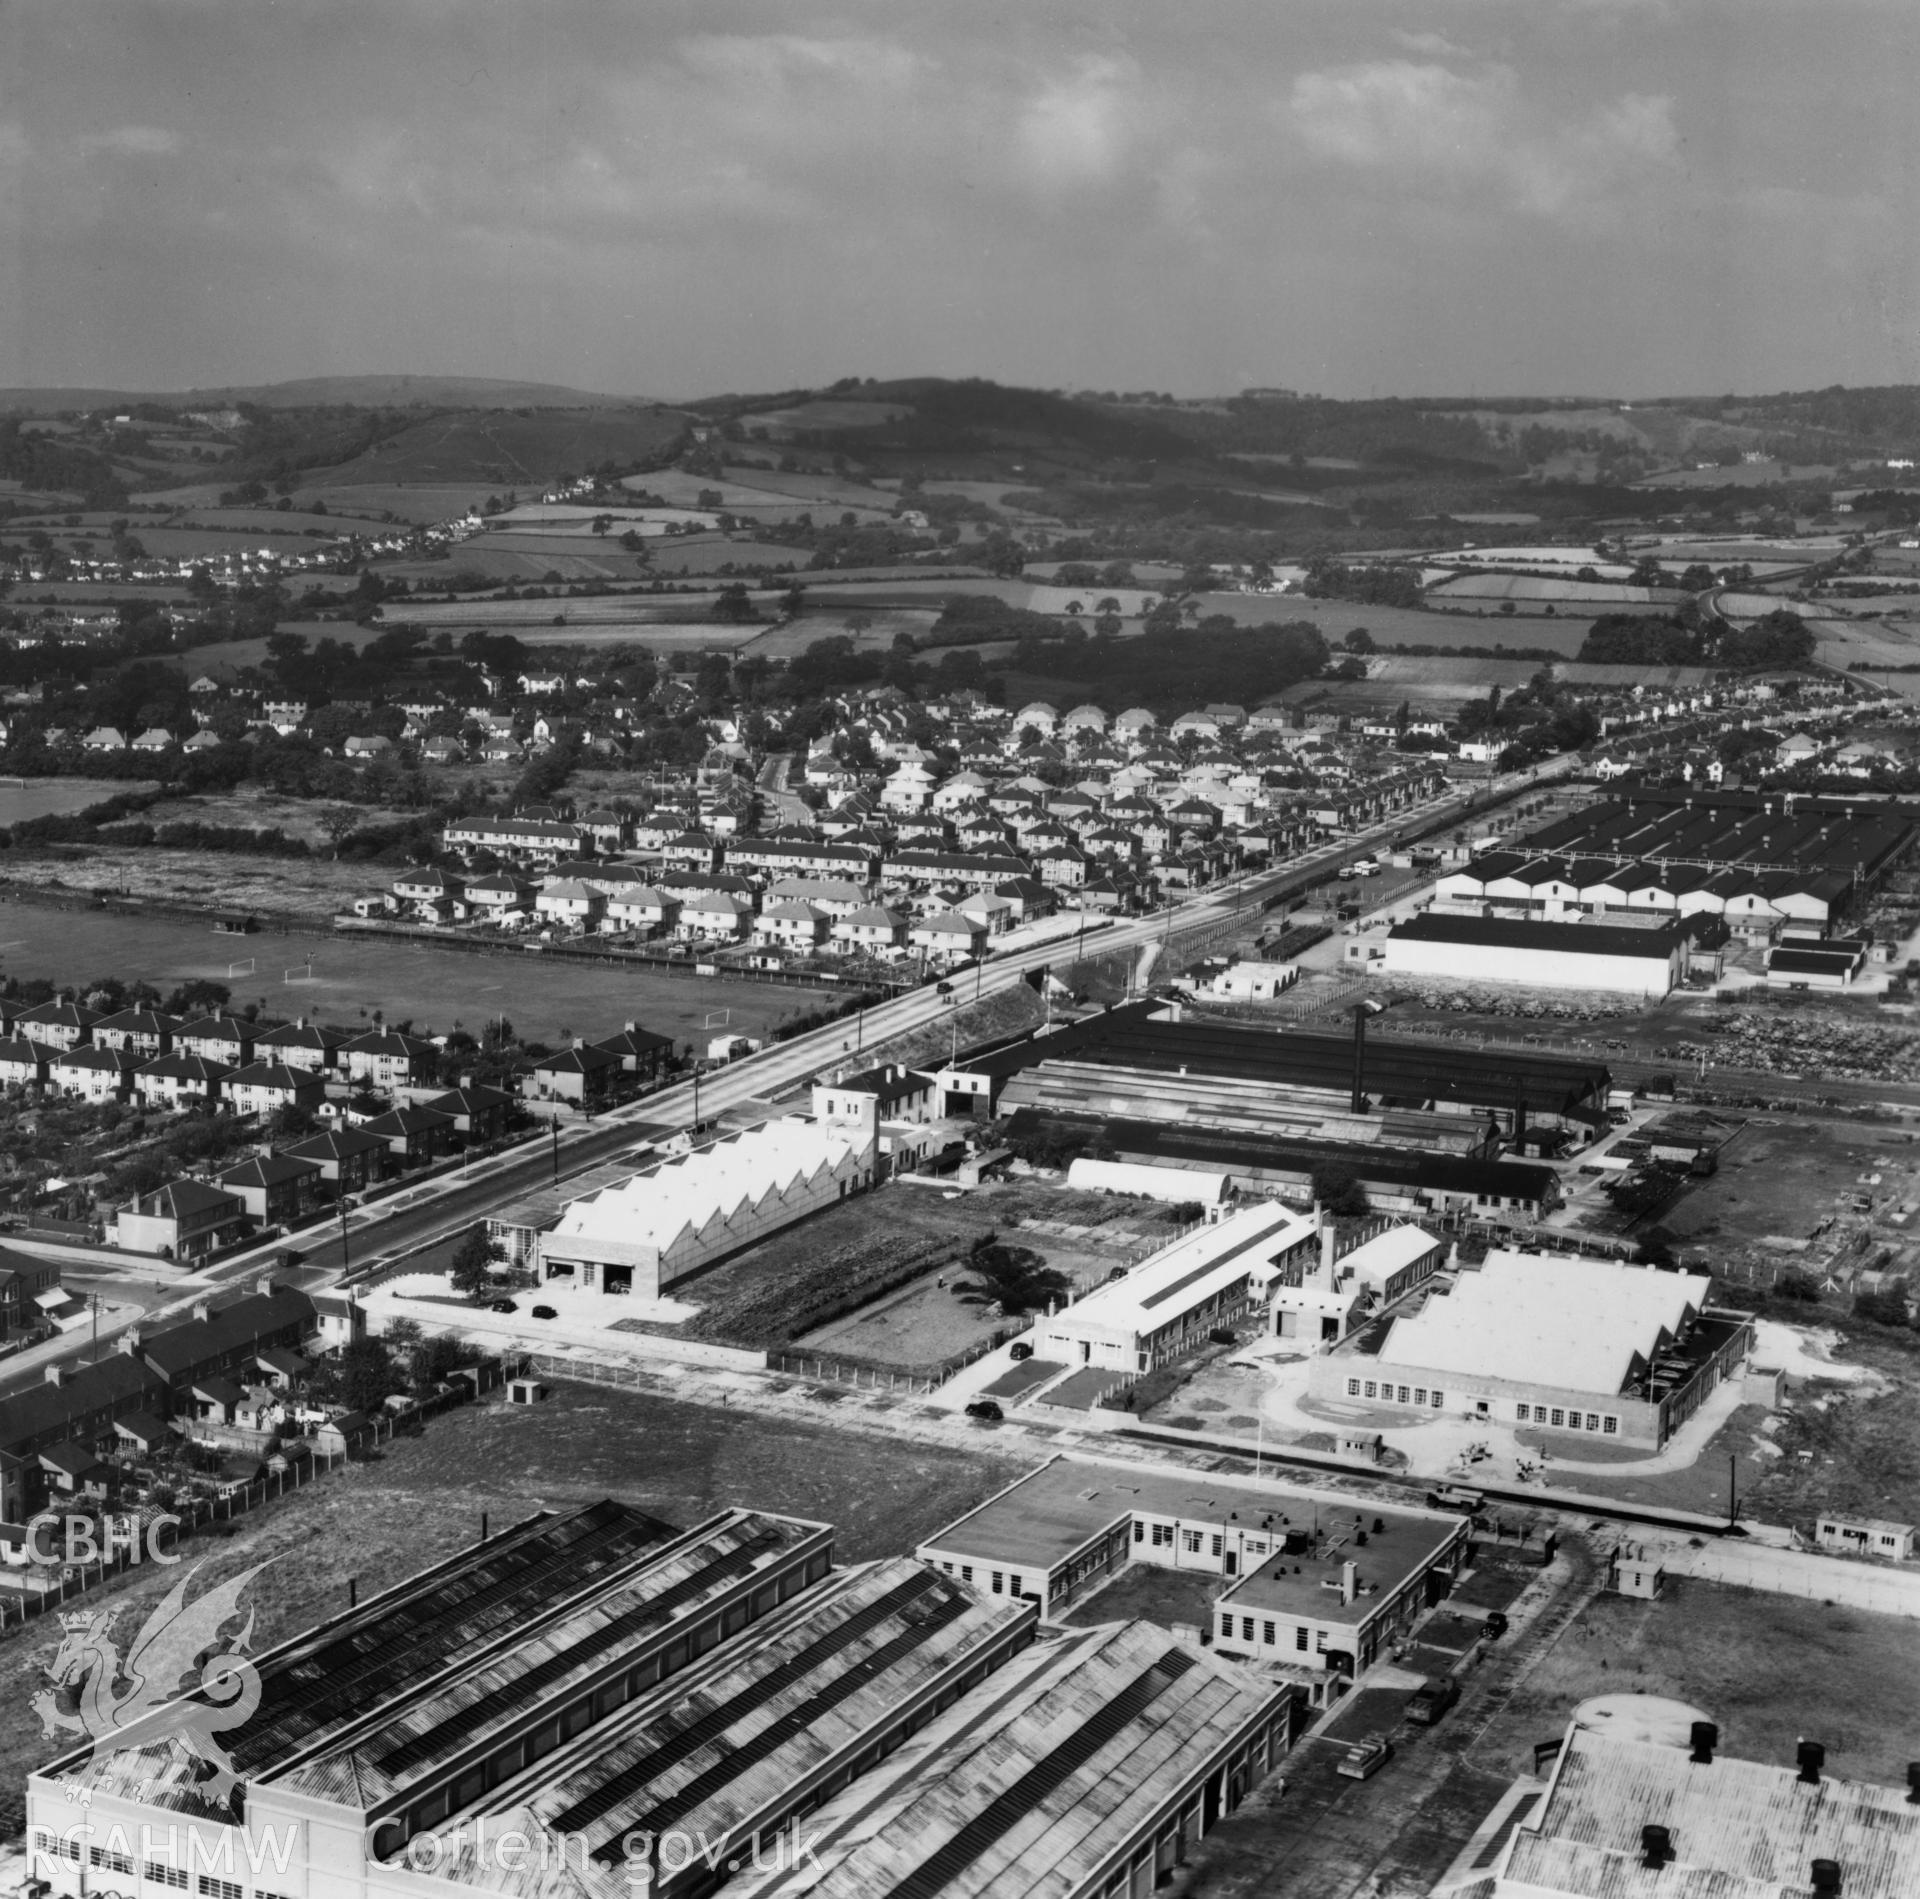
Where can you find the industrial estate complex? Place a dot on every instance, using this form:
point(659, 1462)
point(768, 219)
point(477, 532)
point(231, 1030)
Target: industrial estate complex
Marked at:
point(1281, 1368)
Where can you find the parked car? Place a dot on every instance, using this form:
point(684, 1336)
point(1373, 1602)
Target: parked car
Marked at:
point(1495, 1625)
point(501, 1305)
point(1364, 1759)
point(545, 1312)
point(1431, 1700)
point(987, 1409)
point(1020, 1351)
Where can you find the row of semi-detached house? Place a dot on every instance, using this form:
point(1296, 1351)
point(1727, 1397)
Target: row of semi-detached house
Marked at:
point(156, 1058)
point(53, 1435)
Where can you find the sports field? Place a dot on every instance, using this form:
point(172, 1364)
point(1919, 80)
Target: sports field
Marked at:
point(546, 1000)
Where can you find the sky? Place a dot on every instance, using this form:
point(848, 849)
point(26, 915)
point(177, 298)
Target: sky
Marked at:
point(674, 198)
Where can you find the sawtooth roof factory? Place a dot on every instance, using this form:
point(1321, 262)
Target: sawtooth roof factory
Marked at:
point(1758, 862)
point(593, 1702)
point(1550, 1344)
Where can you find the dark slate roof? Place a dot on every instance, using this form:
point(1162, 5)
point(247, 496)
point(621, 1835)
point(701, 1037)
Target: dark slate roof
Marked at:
point(1570, 939)
point(245, 1323)
point(181, 1197)
point(273, 1075)
point(268, 1170)
point(186, 1068)
point(573, 1061)
point(336, 1144)
point(405, 1121)
point(115, 1381)
point(634, 1041)
point(388, 1042)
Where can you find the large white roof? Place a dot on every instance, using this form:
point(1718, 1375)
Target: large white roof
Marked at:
point(1191, 1270)
point(689, 1193)
point(1575, 1323)
point(1375, 1261)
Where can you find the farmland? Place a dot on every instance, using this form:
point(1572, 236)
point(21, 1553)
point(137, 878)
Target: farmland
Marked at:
point(546, 999)
point(509, 447)
point(1521, 588)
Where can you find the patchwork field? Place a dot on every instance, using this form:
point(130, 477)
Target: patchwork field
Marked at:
point(1534, 587)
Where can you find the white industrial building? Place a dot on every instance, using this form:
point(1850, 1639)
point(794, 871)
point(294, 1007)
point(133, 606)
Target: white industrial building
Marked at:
point(1549, 1344)
point(1619, 959)
point(1173, 1298)
point(650, 1231)
point(1341, 1289)
point(1175, 1185)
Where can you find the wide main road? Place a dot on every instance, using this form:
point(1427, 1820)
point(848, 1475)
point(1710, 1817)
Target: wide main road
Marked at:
point(422, 1216)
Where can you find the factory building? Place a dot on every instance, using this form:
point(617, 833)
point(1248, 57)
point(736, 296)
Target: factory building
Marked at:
point(1436, 1188)
point(594, 1703)
point(657, 1227)
point(1561, 1346)
point(1622, 1818)
point(1170, 1301)
point(1314, 1583)
point(1756, 860)
point(1127, 1061)
point(1645, 962)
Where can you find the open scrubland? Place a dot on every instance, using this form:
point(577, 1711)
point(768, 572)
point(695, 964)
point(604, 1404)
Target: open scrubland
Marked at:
point(1766, 1669)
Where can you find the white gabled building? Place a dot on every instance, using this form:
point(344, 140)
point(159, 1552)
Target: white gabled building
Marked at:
point(653, 1230)
point(1209, 1277)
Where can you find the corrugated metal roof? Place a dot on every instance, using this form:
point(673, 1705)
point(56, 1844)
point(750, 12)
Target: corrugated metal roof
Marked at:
point(1028, 1786)
point(549, 1660)
point(731, 1739)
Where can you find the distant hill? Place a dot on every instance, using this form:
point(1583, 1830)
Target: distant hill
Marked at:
point(314, 392)
point(513, 449)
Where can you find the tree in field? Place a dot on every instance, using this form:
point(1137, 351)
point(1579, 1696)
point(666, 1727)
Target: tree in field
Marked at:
point(339, 822)
point(1359, 641)
point(467, 1270)
point(1015, 1278)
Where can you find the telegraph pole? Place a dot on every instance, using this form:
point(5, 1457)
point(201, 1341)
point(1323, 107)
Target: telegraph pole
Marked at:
point(346, 1261)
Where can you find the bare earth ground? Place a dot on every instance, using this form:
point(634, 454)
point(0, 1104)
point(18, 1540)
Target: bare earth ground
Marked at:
point(925, 1323)
point(434, 988)
point(929, 1322)
point(1767, 1669)
point(421, 1499)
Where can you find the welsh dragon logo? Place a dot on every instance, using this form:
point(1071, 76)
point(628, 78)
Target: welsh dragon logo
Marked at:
point(178, 1682)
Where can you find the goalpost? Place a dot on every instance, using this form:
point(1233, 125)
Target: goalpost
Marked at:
point(300, 972)
point(241, 969)
point(718, 1019)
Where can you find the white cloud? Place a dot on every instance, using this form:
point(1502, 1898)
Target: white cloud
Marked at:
point(129, 141)
point(1429, 45)
point(1082, 128)
point(1427, 127)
